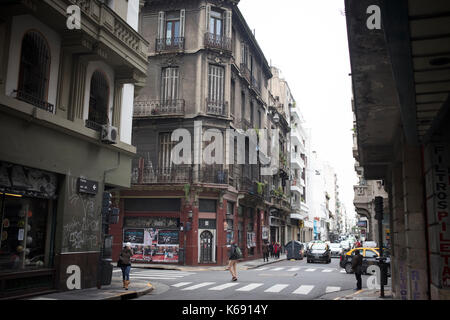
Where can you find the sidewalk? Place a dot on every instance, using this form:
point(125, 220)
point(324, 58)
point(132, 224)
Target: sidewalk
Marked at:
point(139, 288)
point(364, 294)
point(115, 291)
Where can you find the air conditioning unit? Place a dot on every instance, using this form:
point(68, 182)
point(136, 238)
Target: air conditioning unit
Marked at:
point(109, 134)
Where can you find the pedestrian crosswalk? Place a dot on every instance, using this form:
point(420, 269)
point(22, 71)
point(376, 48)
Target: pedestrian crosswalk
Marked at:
point(156, 274)
point(306, 269)
point(303, 289)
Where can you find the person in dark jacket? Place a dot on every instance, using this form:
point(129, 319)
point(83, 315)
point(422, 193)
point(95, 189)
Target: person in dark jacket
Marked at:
point(233, 256)
point(125, 264)
point(265, 249)
point(271, 250)
point(357, 269)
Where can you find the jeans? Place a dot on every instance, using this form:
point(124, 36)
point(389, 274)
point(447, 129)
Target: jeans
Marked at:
point(126, 272)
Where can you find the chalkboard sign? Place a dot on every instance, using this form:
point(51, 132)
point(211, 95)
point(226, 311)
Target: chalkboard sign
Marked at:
point(168, 237)
point(133, 235)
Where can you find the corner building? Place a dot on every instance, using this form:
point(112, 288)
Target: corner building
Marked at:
point(206, 67)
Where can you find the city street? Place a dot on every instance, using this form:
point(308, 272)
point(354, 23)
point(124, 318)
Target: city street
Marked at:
point(284, 280)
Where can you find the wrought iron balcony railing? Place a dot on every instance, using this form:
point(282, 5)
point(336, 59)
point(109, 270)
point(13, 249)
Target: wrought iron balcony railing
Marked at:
point(215, 41)
point(170, 44)
point(213, 174)
point(149, 175)
point(155, 108)
point(94, 125)
point(246, 72)
point(37, 102)
point(217, 108)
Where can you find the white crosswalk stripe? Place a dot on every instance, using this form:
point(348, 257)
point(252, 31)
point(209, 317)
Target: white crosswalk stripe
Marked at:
point(294, 269)
point(303, 289)
point(276, 288)
point(181, 284)
point(250, 287)
point(157, 274)
point(224, 286)
point(327, 270)
point(203, 284)
point(261, 269)
point(278, 269)
point(310, 269)
point(332, 289)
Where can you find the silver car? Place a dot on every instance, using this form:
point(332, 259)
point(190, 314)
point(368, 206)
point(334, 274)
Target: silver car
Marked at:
point(336, 250)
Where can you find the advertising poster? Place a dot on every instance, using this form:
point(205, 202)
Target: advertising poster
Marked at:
point(153, 245)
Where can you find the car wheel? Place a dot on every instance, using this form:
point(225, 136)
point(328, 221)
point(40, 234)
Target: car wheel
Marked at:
point(348, 268)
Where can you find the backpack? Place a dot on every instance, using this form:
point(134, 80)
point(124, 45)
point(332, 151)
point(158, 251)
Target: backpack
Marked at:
point(238, 252)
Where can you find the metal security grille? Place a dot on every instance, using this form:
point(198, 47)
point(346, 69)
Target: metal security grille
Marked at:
point(34, 71)
point(169, 84)
point(206, 243)
point(98, 101)
point(216, 96)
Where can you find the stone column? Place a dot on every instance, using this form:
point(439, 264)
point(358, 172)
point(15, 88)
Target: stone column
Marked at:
point(398, 256)
point(413, 195)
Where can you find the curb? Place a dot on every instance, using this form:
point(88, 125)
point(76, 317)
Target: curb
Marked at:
point(132, 294)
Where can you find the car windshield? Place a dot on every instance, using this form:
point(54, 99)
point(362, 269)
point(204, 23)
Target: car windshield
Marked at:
point(319, 246)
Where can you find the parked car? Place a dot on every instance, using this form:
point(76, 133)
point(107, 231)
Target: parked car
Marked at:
point(336, 250)
point(319, 252)
point(370, 257)
point(295, 250)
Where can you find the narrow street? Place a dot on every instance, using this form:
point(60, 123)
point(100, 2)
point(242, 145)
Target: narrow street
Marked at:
point(284, 280)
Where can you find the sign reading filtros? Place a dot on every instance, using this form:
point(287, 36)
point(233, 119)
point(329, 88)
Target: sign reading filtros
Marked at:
point(441, 186)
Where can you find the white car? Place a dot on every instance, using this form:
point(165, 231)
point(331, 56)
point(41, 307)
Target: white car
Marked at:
point(336, 249)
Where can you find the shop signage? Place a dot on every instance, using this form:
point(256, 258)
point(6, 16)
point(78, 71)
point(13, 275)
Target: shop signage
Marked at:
point(87, 186)
point(362, 224)
point(149, 222)
point(27, 181)
point(168, 237)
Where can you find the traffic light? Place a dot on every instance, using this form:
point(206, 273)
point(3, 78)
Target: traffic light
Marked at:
point(106, 203)
point(379, 208)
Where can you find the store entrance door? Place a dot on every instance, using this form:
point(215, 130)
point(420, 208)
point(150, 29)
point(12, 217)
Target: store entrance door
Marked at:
point(206, 243)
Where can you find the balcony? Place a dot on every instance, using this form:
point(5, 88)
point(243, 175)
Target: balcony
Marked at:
point(216, 108)
point(256, 83)
point(170, 45)
point(213, 41)
point(213, 174)
point(180, 174)
point(28, 98)
point(252, 187)
point(246, 72)
point(158, 108)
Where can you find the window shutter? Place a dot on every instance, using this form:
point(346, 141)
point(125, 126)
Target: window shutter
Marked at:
point(228, 23)
point(208, 15)
point(182, 22)
point(161, 21)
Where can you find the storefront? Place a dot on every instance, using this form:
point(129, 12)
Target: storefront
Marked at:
point(27, 207)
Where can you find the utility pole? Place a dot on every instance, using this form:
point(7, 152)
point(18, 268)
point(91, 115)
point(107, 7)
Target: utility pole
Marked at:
point(379, 218)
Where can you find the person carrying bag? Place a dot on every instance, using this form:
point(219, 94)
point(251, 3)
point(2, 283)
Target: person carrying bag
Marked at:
point(124, 263)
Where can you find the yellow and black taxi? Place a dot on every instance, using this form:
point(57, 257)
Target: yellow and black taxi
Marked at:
point(370, 257)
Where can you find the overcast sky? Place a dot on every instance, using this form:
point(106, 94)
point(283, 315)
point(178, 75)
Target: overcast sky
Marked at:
point(307, 40)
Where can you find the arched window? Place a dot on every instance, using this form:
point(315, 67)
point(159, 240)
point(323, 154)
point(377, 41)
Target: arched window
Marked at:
point(34, 71)
point(98, 101)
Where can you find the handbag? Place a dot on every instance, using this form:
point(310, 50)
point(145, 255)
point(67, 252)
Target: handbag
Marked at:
point(119, 262)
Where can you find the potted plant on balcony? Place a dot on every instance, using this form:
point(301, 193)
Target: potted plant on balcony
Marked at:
point(260, 187)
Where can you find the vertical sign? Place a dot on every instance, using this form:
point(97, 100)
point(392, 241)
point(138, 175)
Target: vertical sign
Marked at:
point(441, 184)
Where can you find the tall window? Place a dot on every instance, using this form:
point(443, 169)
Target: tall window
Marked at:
point(216, 83)
point(252, 114)
point(98, 100)
point(259, 119)
point(171, 27)
point(243, 105)
point(232, 102)
point(216, 23)
point(34, 70)
point(165, 149)
point(169, 84)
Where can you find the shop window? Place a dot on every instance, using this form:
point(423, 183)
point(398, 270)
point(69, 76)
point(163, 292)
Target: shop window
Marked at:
point(24, 233)
point(207, 205)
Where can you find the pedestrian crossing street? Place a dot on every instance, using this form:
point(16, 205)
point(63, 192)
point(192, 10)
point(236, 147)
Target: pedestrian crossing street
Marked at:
point(239, 287)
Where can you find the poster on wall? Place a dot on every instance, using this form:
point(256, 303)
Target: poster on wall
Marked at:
point(153, 245)
point(265, 233)
point(251, 239)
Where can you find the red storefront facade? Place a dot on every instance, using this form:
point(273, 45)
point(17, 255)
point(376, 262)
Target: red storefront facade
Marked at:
point(168, 227)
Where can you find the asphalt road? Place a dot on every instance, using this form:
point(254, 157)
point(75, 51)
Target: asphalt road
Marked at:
point(284, 280)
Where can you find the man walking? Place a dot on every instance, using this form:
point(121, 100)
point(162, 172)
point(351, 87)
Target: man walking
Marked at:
point(271, 249)
point(357, 269)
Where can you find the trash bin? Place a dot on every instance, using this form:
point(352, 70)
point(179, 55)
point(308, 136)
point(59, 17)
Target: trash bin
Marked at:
point(294, 250)
point(106, 272)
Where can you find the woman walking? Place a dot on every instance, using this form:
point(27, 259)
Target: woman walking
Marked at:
point(234, 256)
point(125, 264)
